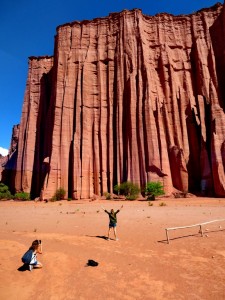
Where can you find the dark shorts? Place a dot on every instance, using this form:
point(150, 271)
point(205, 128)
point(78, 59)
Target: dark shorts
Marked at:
point(112, 225)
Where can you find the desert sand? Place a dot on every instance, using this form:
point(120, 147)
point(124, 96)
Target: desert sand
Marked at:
point(141, 265)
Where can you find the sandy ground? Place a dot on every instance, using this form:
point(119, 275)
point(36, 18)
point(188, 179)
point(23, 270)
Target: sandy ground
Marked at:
point(141, 265)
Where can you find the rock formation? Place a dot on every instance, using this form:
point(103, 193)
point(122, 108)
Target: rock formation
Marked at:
point(2, 164)
point(8, 163)
point(129, 97)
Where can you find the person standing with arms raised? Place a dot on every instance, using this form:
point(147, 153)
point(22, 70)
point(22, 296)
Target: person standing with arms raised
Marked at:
point(112, 221)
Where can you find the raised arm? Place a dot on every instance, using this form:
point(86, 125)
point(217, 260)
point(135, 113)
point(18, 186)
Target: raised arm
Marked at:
point(104, 209)
point(118, 210)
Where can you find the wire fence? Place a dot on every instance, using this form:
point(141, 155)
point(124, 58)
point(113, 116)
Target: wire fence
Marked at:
point(200, 225)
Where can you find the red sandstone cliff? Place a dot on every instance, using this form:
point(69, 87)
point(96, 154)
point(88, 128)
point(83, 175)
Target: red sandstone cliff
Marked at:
point(127, 97)
point(8, 163)
point(34, 126)
point(2, 163)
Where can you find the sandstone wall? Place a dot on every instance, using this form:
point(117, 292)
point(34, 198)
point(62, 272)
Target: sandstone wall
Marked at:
point(34, 125)
point(2, 163)
point(8, 163)
point(127, 97)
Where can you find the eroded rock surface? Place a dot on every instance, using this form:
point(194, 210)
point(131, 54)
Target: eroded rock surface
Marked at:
point(129, 97)
point(8, 162)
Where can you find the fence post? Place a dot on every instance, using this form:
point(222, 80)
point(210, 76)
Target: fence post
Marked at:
point(201, 230)
point(167, 236)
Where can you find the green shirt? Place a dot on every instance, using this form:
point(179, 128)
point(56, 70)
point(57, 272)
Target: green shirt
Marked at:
point(112, 216)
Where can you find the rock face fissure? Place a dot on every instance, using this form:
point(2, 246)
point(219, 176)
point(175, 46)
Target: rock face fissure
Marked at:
point(129, 97)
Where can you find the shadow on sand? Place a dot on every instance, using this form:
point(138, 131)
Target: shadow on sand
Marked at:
point(98, 236)
point(23, 268)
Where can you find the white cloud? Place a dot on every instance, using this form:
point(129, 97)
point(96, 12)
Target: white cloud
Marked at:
point(3, 151)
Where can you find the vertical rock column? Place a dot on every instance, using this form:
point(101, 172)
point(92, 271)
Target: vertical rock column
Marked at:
point(28, 123)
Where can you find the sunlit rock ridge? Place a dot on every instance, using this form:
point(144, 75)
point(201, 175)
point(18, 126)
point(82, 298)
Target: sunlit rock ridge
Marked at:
point(128, 97)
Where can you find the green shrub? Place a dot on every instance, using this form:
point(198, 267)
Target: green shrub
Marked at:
point(128, 189)
point(59, 194)
point(22, 196)
point(132, 197)
point(4, 192)
point(107, 195)
point(154, 189)
point(6, 195)
point(3, 188)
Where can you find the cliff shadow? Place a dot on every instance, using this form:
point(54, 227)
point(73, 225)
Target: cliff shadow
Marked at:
point(9, 171)
point(194, 138)
point(44, 129)
point(114, 126)
point(217, 32)
point(126, 129)
point(71, 191)
point(200, 147)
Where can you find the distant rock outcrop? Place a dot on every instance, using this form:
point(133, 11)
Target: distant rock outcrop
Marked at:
point(2, 163)
point(8, 162)
point(129, 97)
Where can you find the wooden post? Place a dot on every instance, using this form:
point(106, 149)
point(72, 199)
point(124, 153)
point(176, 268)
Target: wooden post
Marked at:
point(201, 230)
point(167, 236)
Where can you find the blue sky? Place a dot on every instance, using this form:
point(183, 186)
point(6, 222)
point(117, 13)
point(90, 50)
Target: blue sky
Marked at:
point(27, 28)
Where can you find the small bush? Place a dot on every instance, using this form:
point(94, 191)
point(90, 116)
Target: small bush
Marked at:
point(107, 196)
point(154, 189)
point(150, 203)
point(3, 188)
point(59, 194)
point(6, 196)
point(132, 197)
point(128, 189)
point(22, 196)
point(4, 192)
point(162, 204)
